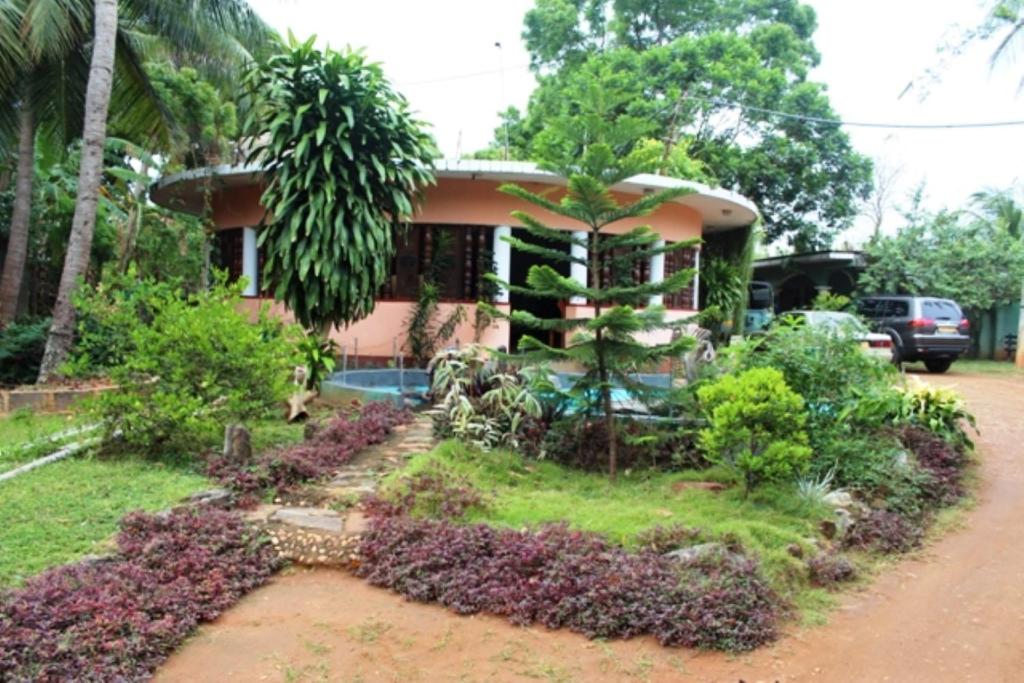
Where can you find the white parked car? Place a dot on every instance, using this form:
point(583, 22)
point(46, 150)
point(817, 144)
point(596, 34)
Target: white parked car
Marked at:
point(874, 343)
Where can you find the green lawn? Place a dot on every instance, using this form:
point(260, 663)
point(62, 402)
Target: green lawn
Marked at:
point(60, 512)
point(524, 493)
point(71, 508)
point(965, 366)
point(21, 429)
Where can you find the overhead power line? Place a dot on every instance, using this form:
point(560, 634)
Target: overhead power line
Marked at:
point(859, 124)
point(774, 112)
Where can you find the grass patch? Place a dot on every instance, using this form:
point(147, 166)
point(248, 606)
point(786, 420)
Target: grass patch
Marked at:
point(525, 493)
point(65, 510)
point(60, 512)
point(20, 431)
point(970, 366)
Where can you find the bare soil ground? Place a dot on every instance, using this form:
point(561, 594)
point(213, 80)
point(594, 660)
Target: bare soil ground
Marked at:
point(953, 612)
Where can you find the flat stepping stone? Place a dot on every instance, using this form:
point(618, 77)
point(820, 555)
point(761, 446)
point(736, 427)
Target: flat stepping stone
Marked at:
point(261, 513)
point(310, 518)
point(355, 477)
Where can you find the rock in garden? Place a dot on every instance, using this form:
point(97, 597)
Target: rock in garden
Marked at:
point(695, 552)
point(838, 499)
point(309, 518)
point(218, 497)
point(237, 444)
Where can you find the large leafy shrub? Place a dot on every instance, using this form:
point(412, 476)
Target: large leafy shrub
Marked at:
point(21, 349)
point(571, 579)
point(829, 370)
point(108, 316)
point(199, 363)
point(756, 425)
point(118, 619)
point(328, 448)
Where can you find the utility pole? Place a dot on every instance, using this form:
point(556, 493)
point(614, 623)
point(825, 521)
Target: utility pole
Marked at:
point(501, 77)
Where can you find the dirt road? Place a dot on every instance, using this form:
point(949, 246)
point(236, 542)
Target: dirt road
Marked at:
point(953, 613)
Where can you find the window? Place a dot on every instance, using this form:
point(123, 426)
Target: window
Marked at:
point(675, 261)
point(871, 308)
point(459, 256)
point(897, 309)
point(938, 309)
point(228, 252)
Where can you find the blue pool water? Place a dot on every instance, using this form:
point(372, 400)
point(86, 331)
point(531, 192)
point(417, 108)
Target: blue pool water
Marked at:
point(408, 387)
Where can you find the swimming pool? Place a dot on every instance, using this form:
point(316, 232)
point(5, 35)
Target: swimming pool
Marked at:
point(409, 387)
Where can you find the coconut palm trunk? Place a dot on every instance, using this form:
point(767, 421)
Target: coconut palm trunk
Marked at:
point(90, 172)
point(21, 211)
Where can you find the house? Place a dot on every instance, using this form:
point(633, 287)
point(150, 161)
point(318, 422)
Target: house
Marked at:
point(797, 278)
point(464, 215)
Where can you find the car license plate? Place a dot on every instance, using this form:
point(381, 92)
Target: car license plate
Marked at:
point(947, 329)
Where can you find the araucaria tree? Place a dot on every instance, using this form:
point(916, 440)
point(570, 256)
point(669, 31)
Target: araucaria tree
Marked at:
point(594, 153)
point(344, 161)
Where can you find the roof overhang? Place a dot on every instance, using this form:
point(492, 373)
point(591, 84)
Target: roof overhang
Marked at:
point(720, 209)
point(854, 259)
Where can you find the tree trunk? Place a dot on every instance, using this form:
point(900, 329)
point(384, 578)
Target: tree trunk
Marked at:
point(17, 241)
point(602, 366)
point(134, 223)
point(90, 173)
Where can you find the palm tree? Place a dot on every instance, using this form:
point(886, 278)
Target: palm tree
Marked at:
point(212, 28)
point(90, 173)
point(1005, 16)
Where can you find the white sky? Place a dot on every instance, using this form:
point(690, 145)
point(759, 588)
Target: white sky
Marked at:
point(442, 56)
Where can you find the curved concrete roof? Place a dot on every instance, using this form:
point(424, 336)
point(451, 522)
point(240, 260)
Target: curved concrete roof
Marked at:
point(719, 208)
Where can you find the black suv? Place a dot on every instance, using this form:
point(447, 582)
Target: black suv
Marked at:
point(922, 328)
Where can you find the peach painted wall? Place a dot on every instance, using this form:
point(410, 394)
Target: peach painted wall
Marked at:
point(460, 201)
point(377, 331)
point(478, 202)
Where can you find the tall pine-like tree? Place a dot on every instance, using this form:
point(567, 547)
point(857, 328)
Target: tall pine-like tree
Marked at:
point(593, 157)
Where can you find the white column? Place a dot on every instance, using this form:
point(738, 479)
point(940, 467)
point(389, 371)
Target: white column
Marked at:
point(696, 279)
point(502, 261)
point(657, 273)
point(578, 271)
point(250, 261)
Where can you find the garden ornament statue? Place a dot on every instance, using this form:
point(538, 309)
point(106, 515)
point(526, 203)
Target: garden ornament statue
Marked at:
point(702, 353)
point(297, 402)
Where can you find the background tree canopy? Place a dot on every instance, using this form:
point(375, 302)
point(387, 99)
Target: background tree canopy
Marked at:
point(688, 63)
point(976, 259)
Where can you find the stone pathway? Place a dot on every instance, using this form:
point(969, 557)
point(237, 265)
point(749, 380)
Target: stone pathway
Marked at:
point(321, 525)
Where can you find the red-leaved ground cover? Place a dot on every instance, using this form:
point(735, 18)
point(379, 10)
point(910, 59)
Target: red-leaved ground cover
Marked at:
point(118, 618)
